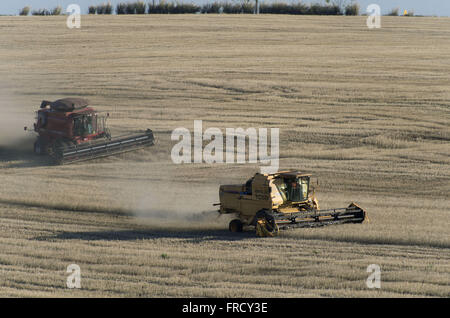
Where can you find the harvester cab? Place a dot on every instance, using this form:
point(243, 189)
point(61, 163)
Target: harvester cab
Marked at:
point(282, 200)
point(69, 130)
point(76, 123)
point(290, 189)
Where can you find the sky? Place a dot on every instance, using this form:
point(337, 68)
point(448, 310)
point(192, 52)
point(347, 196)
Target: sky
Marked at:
point(420, 7)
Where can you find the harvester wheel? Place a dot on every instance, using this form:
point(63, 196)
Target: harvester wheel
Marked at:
point(236, 226)
point(266, 225)
point(58, 149)
point(39, 147)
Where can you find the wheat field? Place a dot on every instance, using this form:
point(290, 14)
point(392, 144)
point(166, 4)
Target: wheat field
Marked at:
point(366, 111)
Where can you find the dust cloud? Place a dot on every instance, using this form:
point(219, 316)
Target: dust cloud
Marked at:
point(182, 203)
point(13, 119)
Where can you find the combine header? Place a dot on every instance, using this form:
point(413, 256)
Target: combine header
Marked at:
point(69, 131)
point(283, 200)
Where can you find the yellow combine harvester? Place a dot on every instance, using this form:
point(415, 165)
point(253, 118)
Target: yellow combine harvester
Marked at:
point(282, 200)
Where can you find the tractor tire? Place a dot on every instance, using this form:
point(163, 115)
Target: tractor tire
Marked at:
point(236, 226)
point(40, 147)
point(58, 148)
point(265, 224)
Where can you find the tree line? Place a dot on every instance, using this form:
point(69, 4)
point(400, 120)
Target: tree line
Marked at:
point(225, 6)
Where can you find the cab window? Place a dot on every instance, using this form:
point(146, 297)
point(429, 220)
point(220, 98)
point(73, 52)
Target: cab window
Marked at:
point(293, 189)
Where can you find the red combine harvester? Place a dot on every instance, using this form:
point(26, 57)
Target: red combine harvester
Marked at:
point(70, 131)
